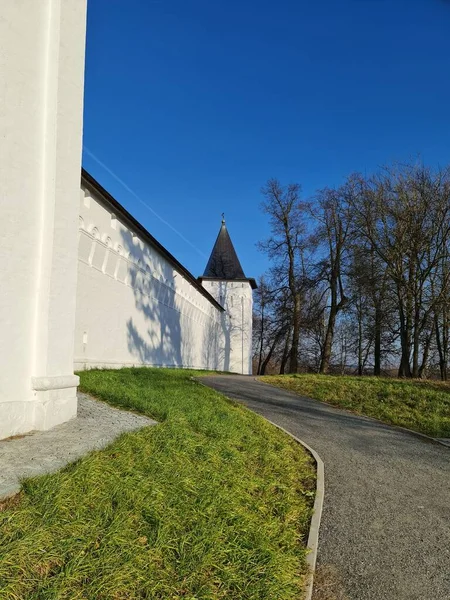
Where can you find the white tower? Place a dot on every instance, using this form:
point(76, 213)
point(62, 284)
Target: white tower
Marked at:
point(225, 280)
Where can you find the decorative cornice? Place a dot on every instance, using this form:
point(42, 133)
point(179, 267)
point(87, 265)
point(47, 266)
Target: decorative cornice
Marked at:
point(60, 382)
point(134, 225)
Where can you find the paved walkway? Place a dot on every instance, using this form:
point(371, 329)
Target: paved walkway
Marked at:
point(96, 425)
point(386, 523)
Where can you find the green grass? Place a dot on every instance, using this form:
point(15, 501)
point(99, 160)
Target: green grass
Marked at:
point(423, 406)
point(212, 503)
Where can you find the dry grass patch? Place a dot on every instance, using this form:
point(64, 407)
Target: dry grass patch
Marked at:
point(328, 584)
point(9, 503)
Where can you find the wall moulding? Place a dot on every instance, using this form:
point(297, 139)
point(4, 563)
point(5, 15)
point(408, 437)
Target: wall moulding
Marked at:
point(58, 382)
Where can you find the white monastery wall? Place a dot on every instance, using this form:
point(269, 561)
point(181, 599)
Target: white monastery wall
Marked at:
point(135, 307)
point(41, 95)
point(134, 304)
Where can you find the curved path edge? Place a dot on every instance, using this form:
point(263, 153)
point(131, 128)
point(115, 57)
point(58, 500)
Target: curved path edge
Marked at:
point(433, 440)
point(384, 531)
point(313, 536)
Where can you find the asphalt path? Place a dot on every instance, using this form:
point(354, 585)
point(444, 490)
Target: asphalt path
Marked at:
point(385, 528)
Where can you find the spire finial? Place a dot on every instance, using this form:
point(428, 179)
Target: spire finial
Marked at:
point(223, 218)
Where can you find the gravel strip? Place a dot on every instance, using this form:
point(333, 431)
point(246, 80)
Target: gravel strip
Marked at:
point(385, 528)
point(96, 425)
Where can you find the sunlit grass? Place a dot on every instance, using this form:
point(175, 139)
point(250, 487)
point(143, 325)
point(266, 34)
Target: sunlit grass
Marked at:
point(423, 406)
point(211, 503)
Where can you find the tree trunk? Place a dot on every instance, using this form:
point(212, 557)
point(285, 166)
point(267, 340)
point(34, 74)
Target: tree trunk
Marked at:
point(285, 356)
point(416, 343)
point(445, 341)
point(293, 362)
point(327, 345)
point(440, 348)
point(261, 346)
point(404, 369)
point(377, 347)
point(360, 342)
point(266, 361)
point(343, 357)
point(426, 352)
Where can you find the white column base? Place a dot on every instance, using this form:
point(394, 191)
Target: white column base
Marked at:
point(53, 401)
point(16, 418)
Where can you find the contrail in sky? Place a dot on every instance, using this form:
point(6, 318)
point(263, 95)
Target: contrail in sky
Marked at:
point(122, 183)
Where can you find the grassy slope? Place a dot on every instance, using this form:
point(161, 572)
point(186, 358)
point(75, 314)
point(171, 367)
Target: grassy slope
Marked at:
point(212, 503)
point(423, 406)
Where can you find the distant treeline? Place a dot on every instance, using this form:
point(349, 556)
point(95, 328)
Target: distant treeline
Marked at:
point(360, 276)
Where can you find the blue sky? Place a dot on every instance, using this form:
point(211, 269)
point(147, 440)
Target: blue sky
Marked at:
point(194, 104)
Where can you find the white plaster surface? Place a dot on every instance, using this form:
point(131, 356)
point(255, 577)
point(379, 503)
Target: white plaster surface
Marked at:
point(133, 306)
point(236, 324)
point(37, 453)
point(41, 96)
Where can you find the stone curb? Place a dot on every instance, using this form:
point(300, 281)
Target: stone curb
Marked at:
point(432, 440)
point(313, 537)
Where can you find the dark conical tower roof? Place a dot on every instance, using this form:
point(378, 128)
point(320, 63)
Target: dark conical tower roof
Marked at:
point(223, 262)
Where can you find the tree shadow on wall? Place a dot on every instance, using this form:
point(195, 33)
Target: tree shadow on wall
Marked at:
point(226, 327)
point(216, 344)
point(226, 339)
point(169, 329)
point(154, 333)
point(224, 267)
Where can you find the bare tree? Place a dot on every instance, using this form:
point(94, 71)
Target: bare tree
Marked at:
point(262, 297)
point(285, 247)
point(333, 233)
point(377, 259)
point(441, 289)
point(404, 214)
point(370, 302)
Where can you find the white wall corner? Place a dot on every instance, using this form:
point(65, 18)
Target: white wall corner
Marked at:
point(41, 102)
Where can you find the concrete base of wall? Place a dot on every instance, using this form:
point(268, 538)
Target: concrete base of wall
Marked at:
point(85, 365)
point(16, 418)
point(53, 401)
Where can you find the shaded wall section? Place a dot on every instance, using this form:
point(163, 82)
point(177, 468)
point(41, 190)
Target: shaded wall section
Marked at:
point(235, 341)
